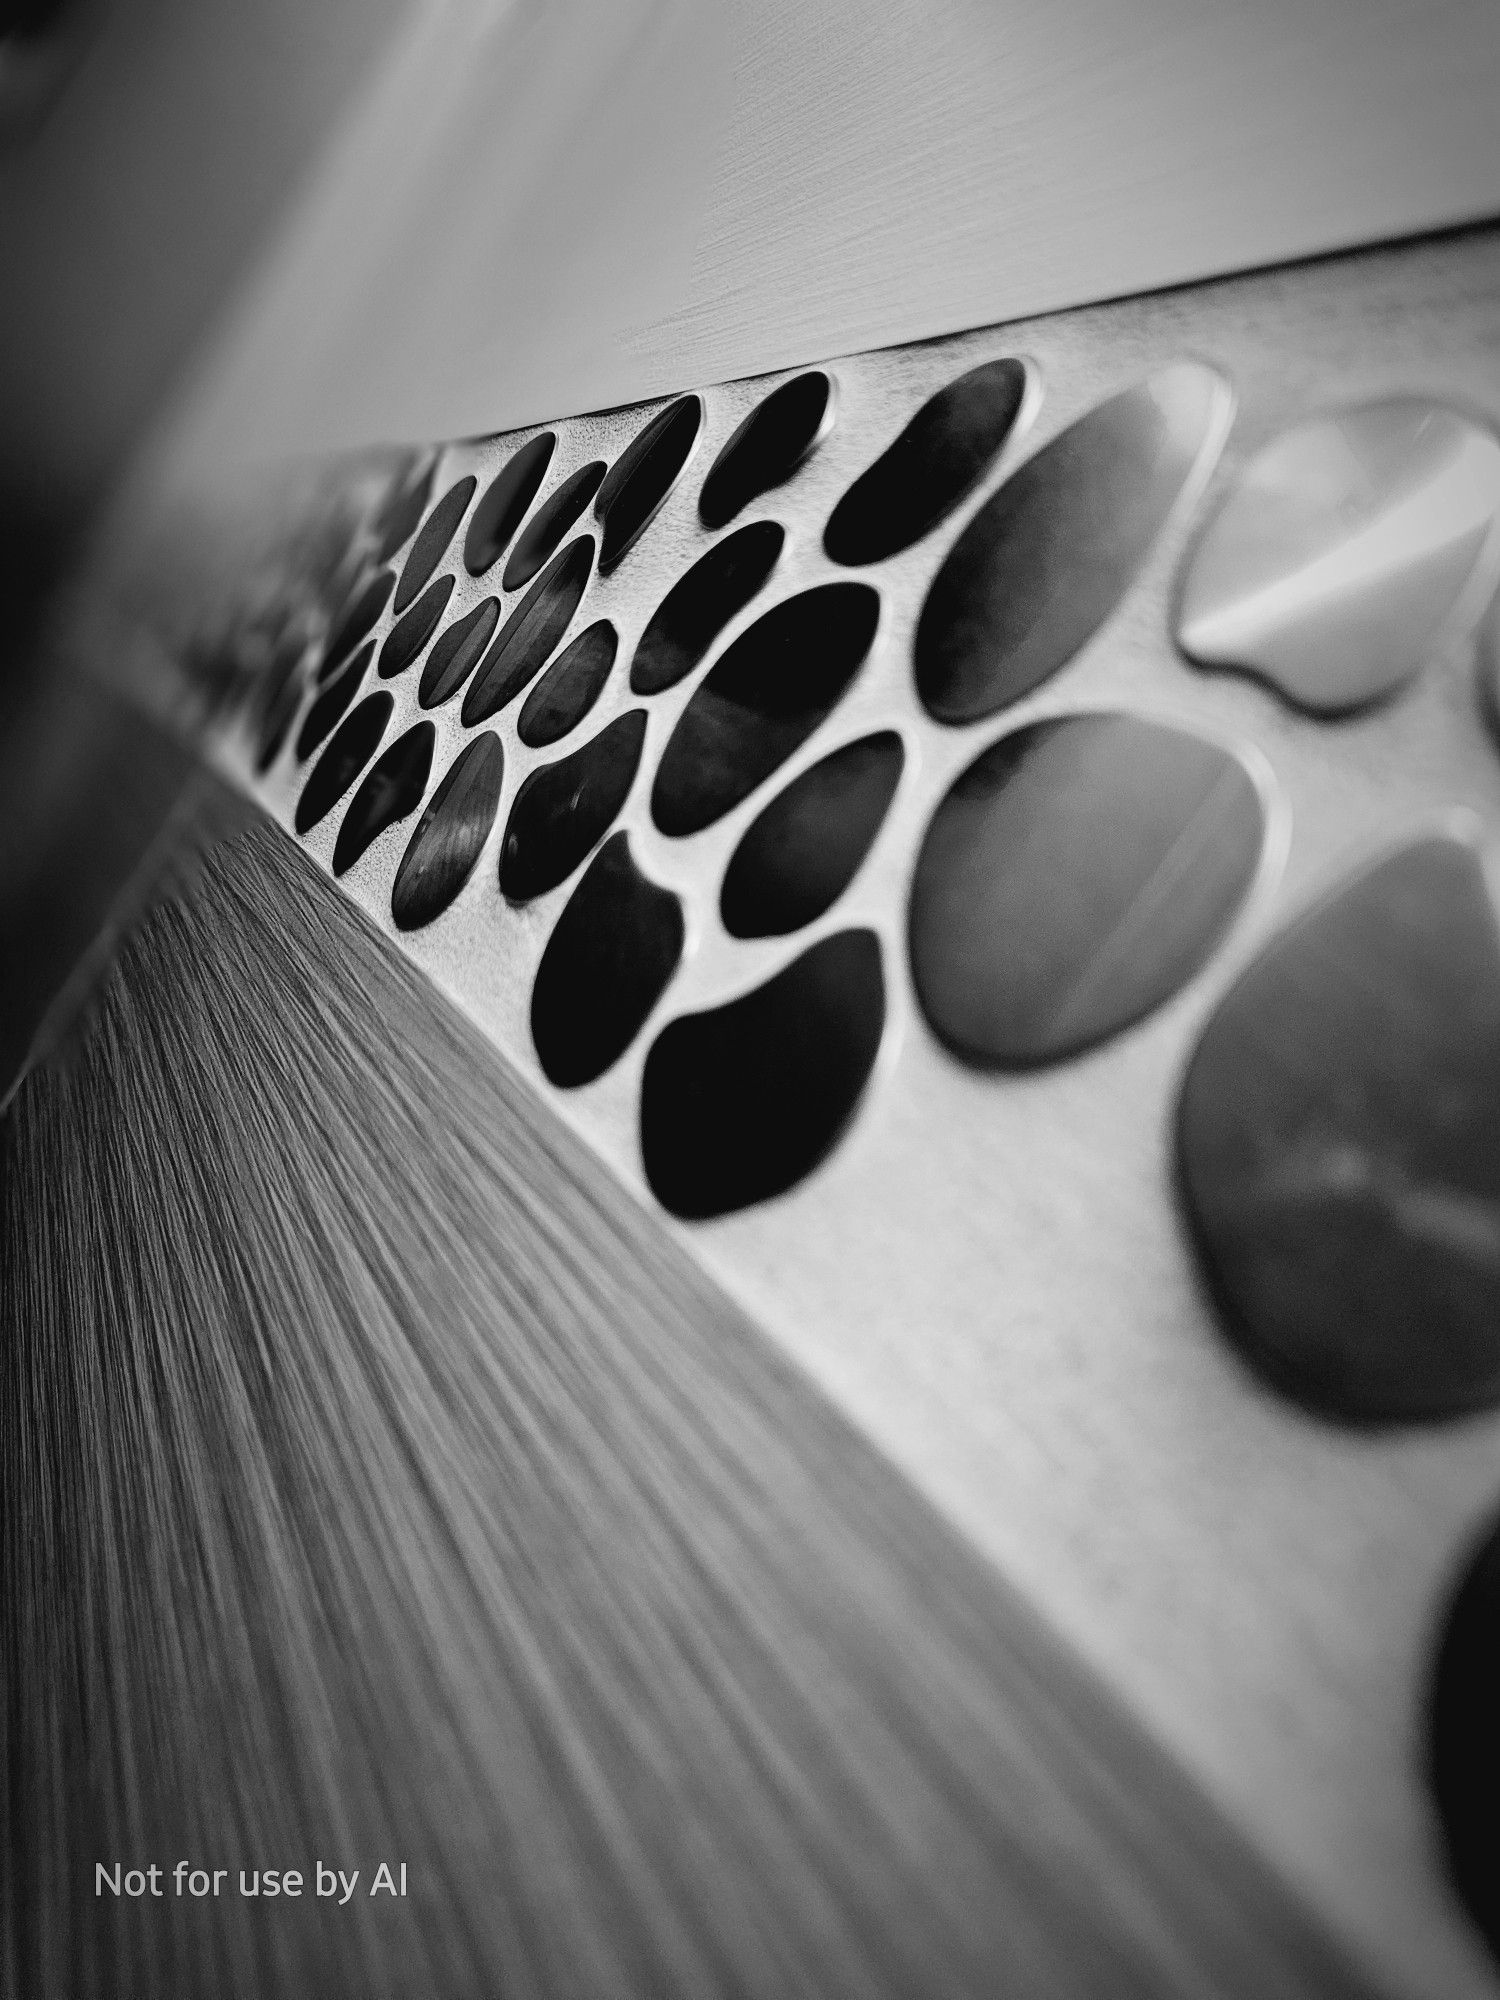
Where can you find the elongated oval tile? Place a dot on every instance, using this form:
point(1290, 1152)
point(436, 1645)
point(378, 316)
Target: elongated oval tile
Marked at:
point(455, 651)
point(941, 455)
point(333, 701)
point(431, 545)
point(1464, 1736)
point(397, 520)
point(1339, 1144)
point(349, 749)
point(413, 629)
point(1341, 552)
point(278, 711)
point(503, 505)
point(797, 857)
point(390, 791)
point(1047, 558)
point(774, 685)
point(357, 623)
point(441, 854)
point(543, 533)
point(531, 631)
point(1072, 879)
point(765, 450)
point(607, 963)
point(701, 603)
point(566, 808)
point(570, 687)
point(743, 1101)
point(642, 476)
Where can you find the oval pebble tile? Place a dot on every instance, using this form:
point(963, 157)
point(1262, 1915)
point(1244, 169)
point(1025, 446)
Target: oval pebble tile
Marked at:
point(390, 791)
point(1464, 1736)
point(452, 658)
point(333, 702)
point(643, 475)
point(1339, 1144)
point(941, 455)
point(1048, 557)
point(357, 623)
point(776, 438)
point(441, 854)
point(503, 506)
point(349, 749)
point(413, 629)
point(1072, 879)
point(701, 603)
point(397, 521)
point(570, 687)
point(1341, 552)
point(778, 680)
point(607, 963)
point(741, 1102)
point(799, 855)
point(564, 809)
point(544, 531)
point(531, 631)
point(431, 545)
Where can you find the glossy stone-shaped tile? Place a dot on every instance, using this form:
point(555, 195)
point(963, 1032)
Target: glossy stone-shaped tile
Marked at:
point(701, 603)
point(431, 545)
point(607, 963)
point(566, 808)
point(389, 792)
point(773, 686)
point(333, 702)
point(643, 475)
point(764, 451)
point(455, 651)
point(1343, 550)
point(543, 533)
point(1076, 875)
point(349, 749)
point(570, 687)
point(1050, 554)
point(413, 629)
point(1339, 1144)
point(1464, 1736)
point(529, 634)
point(355, 623)
point(503, 504)
point(741, 1102)
point(441, 854)
point(940, 456)
point(797, 857)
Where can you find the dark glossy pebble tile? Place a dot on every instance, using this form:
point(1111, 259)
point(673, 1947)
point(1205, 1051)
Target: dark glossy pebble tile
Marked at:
point(544, 531)
point(1073, 878)
point(356, 624)
point(397, 521)
point(452, 658)
point(441, 854)
point(778, 680)
point(643, 475)
point(767, 448)
point(1047, 558)
point(431, 545)
point(1463, 1720)
point(799, 855)
point(1337, 1145)
point(280, 701)
point(606, 965)
point(1342, 550)
point(566, 808)
point(701, 603)
point(529, 634)
point(350, 748)
point(941, 455)
point(570, 687)
point(390, 791)
point(740, 1103)
point(505, 501)
point(413, 629)
point(333, 701)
